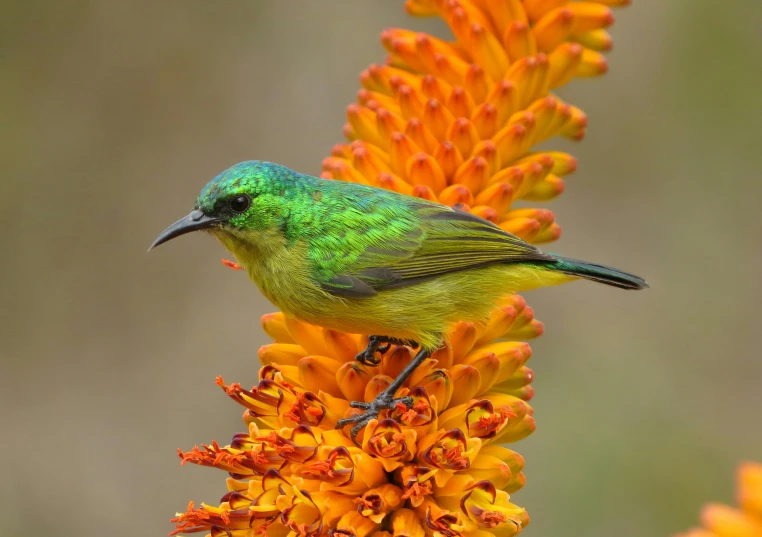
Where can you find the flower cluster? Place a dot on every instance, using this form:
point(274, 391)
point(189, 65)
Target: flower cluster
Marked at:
point(453, 121)
point(723, 521)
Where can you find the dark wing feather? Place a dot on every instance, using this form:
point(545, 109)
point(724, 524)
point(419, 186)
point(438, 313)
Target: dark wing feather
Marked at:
point(445, 241)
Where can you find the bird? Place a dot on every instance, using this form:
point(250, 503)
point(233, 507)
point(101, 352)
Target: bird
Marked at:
point(366, 260)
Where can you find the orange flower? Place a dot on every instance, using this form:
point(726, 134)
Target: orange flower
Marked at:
point(723, 521)
point(453, 121)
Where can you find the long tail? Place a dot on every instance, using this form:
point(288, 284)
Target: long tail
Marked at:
point(598, 273)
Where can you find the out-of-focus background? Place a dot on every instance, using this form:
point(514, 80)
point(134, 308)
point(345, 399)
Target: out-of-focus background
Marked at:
point(114, 114)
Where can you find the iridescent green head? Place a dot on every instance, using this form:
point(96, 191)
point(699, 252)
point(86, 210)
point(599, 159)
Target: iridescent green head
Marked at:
point(249, 196)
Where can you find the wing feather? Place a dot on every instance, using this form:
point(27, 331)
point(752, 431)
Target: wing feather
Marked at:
point(444, 240)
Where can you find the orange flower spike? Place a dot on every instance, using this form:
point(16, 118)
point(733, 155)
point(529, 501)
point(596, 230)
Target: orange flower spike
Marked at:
point(363, 122)
point(499, 323)
point(519, 41)
point(411, 104)
point(537, 9)
point(472, 174)
point(387, 441)
point(376, 503)
point(466, 381)
point(456, 194)
point(354, 524)
point(318, 373)
point(421, 135)
point(401, 149)
point(344, 347)
point(424, 192)
point(750, 488)
point(274, 325)
point(434, 88)
point(406, 522)
point(727, 521)
point(462, 338)
point(423, 170)
point(486, 508)
point(504, 95)
point(463, 135)
point(343, 171)
point(308, 336)
point(393, 182)
point(440, 522)
point(746, 521)
point(564, 62)
point(554, 28)
point(439, 385)
point(498, 196)
point(509, 142)
point(487, 51)
point(487, 150)
point(592, 64)
point(387, 123)
point(449, 159)
point(476, 83)
point(590, 16)
point(438, 118)
point(460, 103)
point(598, 40)
point(375, 386)
point(486, 120)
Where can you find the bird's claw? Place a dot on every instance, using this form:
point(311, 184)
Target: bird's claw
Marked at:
point(381, 402)
point(382, 344)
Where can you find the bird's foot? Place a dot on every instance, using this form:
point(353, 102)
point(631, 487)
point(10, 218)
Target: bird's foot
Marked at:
point(382, 401)
point(381, 344)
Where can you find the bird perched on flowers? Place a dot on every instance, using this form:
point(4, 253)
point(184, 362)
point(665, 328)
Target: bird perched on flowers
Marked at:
point(365, 260)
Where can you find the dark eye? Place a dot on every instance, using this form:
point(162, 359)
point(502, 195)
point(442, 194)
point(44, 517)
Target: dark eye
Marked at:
point(241, 203)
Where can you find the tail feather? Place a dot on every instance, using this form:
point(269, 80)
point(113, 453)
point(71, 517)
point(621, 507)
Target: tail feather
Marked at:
point(598, 273)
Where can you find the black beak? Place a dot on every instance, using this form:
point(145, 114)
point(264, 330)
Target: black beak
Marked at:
point(193, 222)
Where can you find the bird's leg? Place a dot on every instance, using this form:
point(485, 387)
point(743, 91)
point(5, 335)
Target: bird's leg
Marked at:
point(380, 344)
point(383, 400)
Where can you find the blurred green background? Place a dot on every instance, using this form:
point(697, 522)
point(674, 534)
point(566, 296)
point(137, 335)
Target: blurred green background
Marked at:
point(114, 114)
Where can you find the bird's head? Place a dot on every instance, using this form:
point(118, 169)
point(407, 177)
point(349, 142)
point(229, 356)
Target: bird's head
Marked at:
point(246, 198)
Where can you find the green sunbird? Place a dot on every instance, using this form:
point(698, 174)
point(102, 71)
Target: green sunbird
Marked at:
point(365, 260)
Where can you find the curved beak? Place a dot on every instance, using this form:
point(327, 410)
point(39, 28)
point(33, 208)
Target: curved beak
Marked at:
point(195, 221)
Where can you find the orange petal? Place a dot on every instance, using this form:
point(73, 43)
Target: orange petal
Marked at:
point(592, 64)
point(455, 194)
point(504, 95)
point(476, 83)
point(554, 28)
point(449, 159)
point(319, 373)
point(498, 196)
point(423, 169)
point(388, 123)
point(282, 353)
point(274, 325)
point(599, 40)
point(460, 103)
point(463, 135)
point(519, 41)
point(472, 174)
point(564, 62)
point(421, 135)
point(466, 381)
point(486, 120)
point(401, 148)
point(395, 183)
point(589, 16)
point(487, 150)
point(487, 51)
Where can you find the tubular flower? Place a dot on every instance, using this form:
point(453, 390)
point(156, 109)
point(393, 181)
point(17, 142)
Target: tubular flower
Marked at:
point(745, 521)
point(453, 121)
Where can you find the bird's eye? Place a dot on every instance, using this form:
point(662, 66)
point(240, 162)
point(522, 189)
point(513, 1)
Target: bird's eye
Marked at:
point(240, 203)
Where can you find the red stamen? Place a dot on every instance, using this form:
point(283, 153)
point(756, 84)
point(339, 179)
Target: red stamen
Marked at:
point(231, 264)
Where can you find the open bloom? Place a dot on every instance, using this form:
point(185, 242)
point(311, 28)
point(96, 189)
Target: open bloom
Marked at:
point(744, 521)
point(454, 121)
